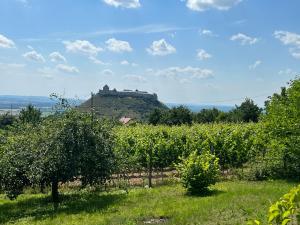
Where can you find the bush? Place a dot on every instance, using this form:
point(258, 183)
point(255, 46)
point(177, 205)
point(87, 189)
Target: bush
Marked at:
point(198, 172)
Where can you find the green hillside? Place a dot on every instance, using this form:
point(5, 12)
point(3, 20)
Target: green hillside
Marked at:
point(114, 104)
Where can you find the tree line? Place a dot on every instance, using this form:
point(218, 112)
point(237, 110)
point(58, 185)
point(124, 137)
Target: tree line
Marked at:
point(248, 111)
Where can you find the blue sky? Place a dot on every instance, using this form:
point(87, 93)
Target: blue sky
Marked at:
point(186, 51)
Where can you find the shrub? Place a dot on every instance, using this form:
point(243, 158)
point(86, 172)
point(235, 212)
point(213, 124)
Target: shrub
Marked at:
point(199, 171)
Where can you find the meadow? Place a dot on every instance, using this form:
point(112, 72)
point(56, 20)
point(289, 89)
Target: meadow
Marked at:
point(228, 202)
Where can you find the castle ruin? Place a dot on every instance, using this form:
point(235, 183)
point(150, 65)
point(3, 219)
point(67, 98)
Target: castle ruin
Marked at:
point(106, 92)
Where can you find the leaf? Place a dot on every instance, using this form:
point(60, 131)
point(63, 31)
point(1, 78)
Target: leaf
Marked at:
point(284, 222)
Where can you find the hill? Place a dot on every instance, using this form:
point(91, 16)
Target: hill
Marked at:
point(16, 102)
point(116, 104)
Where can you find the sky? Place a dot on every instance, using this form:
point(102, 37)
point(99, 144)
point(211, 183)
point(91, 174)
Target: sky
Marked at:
point(187, 51)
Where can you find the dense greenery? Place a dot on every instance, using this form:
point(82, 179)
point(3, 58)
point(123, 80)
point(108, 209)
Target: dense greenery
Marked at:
point(248, 111)
point(233, 144)
point(199, 171)
point(64, 148)
point(282, 122)
point(76, 147)
point(6, 120)
point(30, 115)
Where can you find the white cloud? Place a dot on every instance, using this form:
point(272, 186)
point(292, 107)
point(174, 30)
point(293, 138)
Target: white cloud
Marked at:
point(34, 56)
point(67, 69)
point(97, 61)
point(83, 47)
point(208, 33)
point(244, 39)
point(123, 3)
point(202, 5)
point(202, 54)
point(255, 65)
point(107, 72)
point(135, 78)
point(287, 72)
point(295, 53)
point(6, 43)
point(57, 57)
point(124, 63)
point(119, 46)
point(186, 72)
point(161, 48)
point(290, 39)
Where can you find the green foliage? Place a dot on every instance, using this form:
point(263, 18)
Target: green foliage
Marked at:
point(199, 171)
point(228, 203)
point(6, 120)
point(64, 148)
point(30, 115)
point(175, 116)
point(233, 144)
point(282, 123)
point(249, 111)
point(207, 116)
point(285, 211)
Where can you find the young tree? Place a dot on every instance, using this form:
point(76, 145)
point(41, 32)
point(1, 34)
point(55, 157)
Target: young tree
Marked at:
point(65, 148)
point(250, 112)
point(30, 115)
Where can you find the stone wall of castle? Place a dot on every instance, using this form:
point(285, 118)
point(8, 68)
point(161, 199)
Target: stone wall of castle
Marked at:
point(123, 94)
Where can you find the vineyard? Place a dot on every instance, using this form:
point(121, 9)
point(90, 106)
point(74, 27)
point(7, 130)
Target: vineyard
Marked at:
point(73, 157)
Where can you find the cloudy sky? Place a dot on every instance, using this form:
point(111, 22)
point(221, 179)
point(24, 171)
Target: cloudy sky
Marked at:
point(186, 51)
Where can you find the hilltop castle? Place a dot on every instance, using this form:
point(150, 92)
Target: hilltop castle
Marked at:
point(115, 104)
point(106, 92)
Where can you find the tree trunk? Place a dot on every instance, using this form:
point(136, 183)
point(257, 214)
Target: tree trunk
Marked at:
point(42, 187)
point(55, 194)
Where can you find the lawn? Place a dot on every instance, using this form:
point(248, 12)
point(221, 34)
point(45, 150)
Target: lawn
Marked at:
point(228, 203)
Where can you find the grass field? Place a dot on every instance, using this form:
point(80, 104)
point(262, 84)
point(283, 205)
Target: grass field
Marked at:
point(228, 203)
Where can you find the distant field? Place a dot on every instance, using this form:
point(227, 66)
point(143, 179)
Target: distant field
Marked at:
point(229, 203)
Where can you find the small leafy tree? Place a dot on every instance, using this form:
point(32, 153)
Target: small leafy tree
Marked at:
point(250, 112)
point(199, 171)
point(65, 148)
point(30, 115)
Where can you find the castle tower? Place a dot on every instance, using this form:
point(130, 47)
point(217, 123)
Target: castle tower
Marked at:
point(106, 88)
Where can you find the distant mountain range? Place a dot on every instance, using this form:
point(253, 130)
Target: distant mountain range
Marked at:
point(198, 108)
point(17, 102)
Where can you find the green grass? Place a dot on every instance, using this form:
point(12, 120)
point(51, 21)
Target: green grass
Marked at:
point(228, 203)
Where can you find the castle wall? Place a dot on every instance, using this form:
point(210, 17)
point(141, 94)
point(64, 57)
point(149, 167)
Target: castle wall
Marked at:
point(128, 94)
